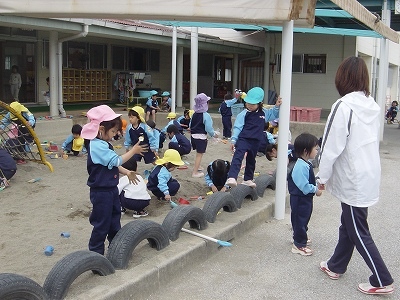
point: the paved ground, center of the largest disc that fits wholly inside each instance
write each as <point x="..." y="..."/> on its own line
<point x="261" y="266"/>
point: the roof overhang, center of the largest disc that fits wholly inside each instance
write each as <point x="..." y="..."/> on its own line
<point x="266" y="12"/>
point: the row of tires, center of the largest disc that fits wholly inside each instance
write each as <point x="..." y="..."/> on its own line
<point x="65" y="271"/>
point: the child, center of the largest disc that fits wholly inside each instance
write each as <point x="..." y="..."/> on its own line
<point x="271" y="151"/>
<point x="184" y="120"/>
<point x="15" y="82"/>
<point x="138" y="131"/>
<point x="200" y="124"/>
<point x="217" y="174"/>
<point x="267" y="139"/>
<point x="179" y="142"/>
<point x="158" y="135"/>
<point x="20" y="142"/>
<point x="392" y="112"/>
<point x="302" y="187"/>
<point x="247" y="132"/>
<point x="103" y="166"/>
<point x="166" y="100"/>
<point x="74" y="142"/>
<point x="152" y="105"/>
<point x="171" y="117"/>
<point x="160" y="181"/>
<point x="133" y="196"/>
<point x="8" y="167"/>
<point x="226" y="113"/>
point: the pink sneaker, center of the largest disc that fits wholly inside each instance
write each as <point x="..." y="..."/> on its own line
<point x="305" y="251"/>
<point x="231" y="182"/>
<point x="368" y="289"/>
<point x="324" y="268"/>
<point x="249" y="183"/>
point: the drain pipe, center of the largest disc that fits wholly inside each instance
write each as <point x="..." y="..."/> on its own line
<point x="59" y="52"/>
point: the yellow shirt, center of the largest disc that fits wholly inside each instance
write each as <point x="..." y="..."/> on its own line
<point x="77" y="144"/>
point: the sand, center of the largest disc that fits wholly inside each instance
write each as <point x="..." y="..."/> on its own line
<point x="35" y="214"/>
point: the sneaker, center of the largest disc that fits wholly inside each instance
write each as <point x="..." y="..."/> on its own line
<point x="249" y="183"/>
<point x="123" y="210"/>
<point x="21" y="162"/>
<point x="324" y="268"/>
<point x="139" y="214"/>
<point x="305" y="251"/>
<point x="198" y="174"/>
<point x="368" y="289"/>
<point x="231" y="182"/>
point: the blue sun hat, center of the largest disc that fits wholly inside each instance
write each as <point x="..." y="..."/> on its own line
<point x="255" y="95"/>
<point x="165" y="94"/>
<point x="153" y="92"/>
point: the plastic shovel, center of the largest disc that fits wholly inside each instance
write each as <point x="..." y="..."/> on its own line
<point x="219" y="242"/>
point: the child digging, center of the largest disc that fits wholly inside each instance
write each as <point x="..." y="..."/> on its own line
<point x="160" y="181"/>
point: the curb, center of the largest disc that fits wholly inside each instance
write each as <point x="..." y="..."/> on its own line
<point x="154" y="273"/>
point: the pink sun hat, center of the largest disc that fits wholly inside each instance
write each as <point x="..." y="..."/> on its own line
<point x="96" y="115"/>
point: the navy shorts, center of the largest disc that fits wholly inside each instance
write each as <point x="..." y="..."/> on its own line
<point x="148" y="157"/>
<point x="199" y="145"/>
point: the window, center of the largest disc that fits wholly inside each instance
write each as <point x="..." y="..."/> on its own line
<point x="305" y="63"/>
<point x="98" y="56"/>
<point x="118" y="58"/>
<point x="315" y="63"/>
<point x="154" y="64"/>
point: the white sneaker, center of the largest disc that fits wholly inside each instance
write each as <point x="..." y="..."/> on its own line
<point x="368" y="289"/>
<point x="231" y="182"/>
<point x="249" y="183"/>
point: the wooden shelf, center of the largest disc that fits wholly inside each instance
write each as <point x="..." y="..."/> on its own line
<point x="86" y="85"/>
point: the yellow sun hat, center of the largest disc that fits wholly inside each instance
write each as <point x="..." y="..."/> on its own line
<point x="18" y="107"/>
<point x="171" y="115"/>
<point x="191" y="112"/>
<point x="140" y="112"/>
<point x="170" y="156"/>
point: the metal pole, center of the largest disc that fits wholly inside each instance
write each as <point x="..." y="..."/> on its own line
<point x="194" y="59"/>
<point x="179" y="77"/>
<point x="383" y="70"/>
<point x="284" y="119"/>
<point x="173" y="72"/>
<point x="53" y="67"/>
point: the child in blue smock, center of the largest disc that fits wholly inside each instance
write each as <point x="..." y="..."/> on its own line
<point x="74" y="142"/>
<point x="19" y="142"/>
<point x="172" y="121"/>
<point x="160" y="181"/>
<point x="200" y="125"/>
<point x="158" y="135"/>
<point x="217" y="174"/>
<point x="139" y="131"/>
<point x="184" y="120"/>
<point x="226" y="112"/>
<point x="166" y="101"/>
<point x="104" y="166"/>
<point x="247" y="132"/>
<point x="152" y="105"/>
<point x="302" y="187"/>
<point x="179" y="142"/>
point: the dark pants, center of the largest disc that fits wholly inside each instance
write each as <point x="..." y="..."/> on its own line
<point x="179" y="148"/>
<point x="68" y="148"/>
<point x="242" y="146"/>
<point x="354" y="231"/>
<point x="173" y="188"/>
<point x="301" y="207"/>
<point x="133" y="204"/>
<point x="227" y="126"/>
<point x="8" y="173"/>
<point x="105" y="217"/>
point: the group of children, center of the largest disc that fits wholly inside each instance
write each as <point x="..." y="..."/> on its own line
<point x="111" y="195"/>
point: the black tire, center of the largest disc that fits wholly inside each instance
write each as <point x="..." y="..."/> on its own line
<point x="241" y="191"/>
<point x="66" y="270"/>
<point x="178" y="216"/>
<point x="14" y="286"/>
<point x="217" y="201"/>
<point x="130" y="235"/>
<point x="263" y="182"/>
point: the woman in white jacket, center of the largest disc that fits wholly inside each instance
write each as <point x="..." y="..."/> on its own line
<point x="350" y="169"/>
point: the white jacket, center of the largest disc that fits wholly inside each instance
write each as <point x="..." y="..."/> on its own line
<point x="133" y="191"/>
<point x="349" y="162"/>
